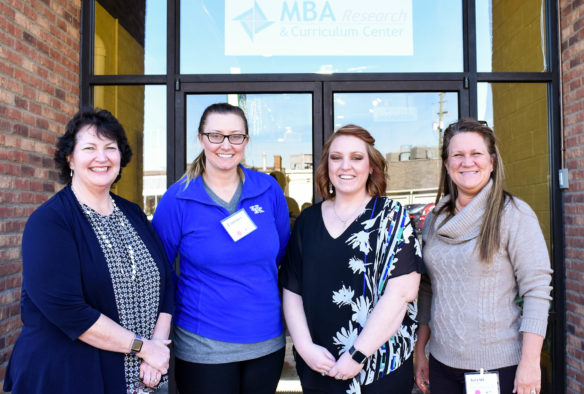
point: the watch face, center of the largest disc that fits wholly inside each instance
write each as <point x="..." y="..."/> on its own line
<point x="137" y="345"/>
<point x="357" y="355"/>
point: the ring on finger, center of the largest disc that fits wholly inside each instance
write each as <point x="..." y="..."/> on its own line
<point x="534" y="391"/>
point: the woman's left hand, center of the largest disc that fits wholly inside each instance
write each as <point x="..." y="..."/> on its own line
<point x="527" y="377"/>
<point x="345" y="368"/>
<point x="149" y="375"/>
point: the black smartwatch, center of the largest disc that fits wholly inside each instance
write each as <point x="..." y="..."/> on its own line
<point x="136" y="345"/>
<point x="357" y="355"/>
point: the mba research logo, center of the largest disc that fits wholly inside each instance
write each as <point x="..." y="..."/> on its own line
<point x="318" y="28"/>
<point x="253" y="20"/>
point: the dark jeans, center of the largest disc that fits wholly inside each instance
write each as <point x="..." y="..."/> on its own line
<point x="256" y="376"/>
<point x="447" y="380"/>
<point x="400" y="381"/>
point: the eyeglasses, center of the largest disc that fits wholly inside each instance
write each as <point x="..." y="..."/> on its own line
<point x="218" y="138"/>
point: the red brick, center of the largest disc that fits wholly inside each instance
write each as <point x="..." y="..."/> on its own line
<point x="14" y="282"/>
<point x="10" y="268"/>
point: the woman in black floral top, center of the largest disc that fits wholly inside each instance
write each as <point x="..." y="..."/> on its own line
<point x="352" y="276"/>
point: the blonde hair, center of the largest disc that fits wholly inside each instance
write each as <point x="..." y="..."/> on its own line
<point x="197" y="167"/>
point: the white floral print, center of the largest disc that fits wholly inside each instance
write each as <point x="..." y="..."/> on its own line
<point x="345" y="338"/>
<point x="360" y="239"/>
<point x="357" y="265"/>
<point x="361" y="308"/>
<point x="343" y="296"/>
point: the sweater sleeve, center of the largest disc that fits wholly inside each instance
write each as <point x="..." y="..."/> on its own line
<point x="51" y="273"/>
<point x="425" y="292"/>
<point x="530" y="259"/>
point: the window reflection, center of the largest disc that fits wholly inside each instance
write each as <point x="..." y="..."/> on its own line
<point x="342" y="36"/>
<point x="130" y="37"/>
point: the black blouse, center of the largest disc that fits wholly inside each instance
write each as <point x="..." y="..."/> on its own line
<point x="341" y="279"/>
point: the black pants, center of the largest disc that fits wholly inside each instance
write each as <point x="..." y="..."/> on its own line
<point x="256" y="376"/>
<point x="400" y="381"/>
<point x="447" y="380"/>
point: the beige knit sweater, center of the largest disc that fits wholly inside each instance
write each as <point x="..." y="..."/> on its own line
<point x="470" y="305"/>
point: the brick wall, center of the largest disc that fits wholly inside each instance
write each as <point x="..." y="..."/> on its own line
<point x="39" y="91"/>
<point x="572" y="41"/>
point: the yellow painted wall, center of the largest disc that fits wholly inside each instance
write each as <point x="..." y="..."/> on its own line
<point x="517" y="31"/>
<point x="116" y="52"/>
<point x="521" y="125"/>
<point x="125" y="55"/>
<point x="520" y="110"/>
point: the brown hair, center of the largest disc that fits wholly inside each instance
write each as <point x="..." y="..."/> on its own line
<point x="197" y="167"/>
<point x="376" y="182"/>
<point x="105" y="124"/>
<point x="489" y="236"/>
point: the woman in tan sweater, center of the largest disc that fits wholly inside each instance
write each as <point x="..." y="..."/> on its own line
<point x="482" y="249"/>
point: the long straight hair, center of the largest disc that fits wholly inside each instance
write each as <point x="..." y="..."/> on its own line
<point x="490" y="235"/>
<point x="197" y="167"/>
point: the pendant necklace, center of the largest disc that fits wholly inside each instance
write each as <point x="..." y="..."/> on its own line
<point x="352" y="215"/>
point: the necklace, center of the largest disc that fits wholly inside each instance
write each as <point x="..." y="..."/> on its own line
<point x="352" y="215"/>
<point x="84" y="204"/>
<point x="100" y="223"/>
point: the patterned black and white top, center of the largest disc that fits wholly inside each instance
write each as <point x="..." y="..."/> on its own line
<point x="136" y="282"/>
<point x="342" y="279"/>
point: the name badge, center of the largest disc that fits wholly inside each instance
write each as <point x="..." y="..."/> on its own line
<point x="482" y="382"/>
<point x="238" y="225"/>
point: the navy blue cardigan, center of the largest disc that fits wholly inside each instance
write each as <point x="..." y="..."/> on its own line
<point x="66" y="286"/>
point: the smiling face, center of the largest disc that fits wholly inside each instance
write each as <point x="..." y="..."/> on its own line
<point x="469" y="163"/>
<point x="224" y="156"/>
<point x="95" y="160"/>
<point x="348" y="164"/>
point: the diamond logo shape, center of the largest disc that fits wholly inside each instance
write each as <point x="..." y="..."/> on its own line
<point x="253" y="20"/>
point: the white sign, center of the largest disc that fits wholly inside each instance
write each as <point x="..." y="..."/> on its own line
<point x="319" y="27"/>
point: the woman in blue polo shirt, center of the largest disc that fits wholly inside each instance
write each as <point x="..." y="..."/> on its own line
<point x="230" y="227"/>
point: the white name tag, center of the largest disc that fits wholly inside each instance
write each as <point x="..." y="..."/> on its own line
<point x="238" y="225"/>
<point x="482" y="382"/>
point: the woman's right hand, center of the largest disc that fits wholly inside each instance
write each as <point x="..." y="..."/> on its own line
<point x="156" y="353"/>
<point x="318" y="358"/>
<point x="421" y="369"/>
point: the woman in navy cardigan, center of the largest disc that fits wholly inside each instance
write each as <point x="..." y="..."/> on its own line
<point x="97" y="292"/>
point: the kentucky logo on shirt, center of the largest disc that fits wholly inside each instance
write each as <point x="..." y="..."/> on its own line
<point x="256" y="209"/>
